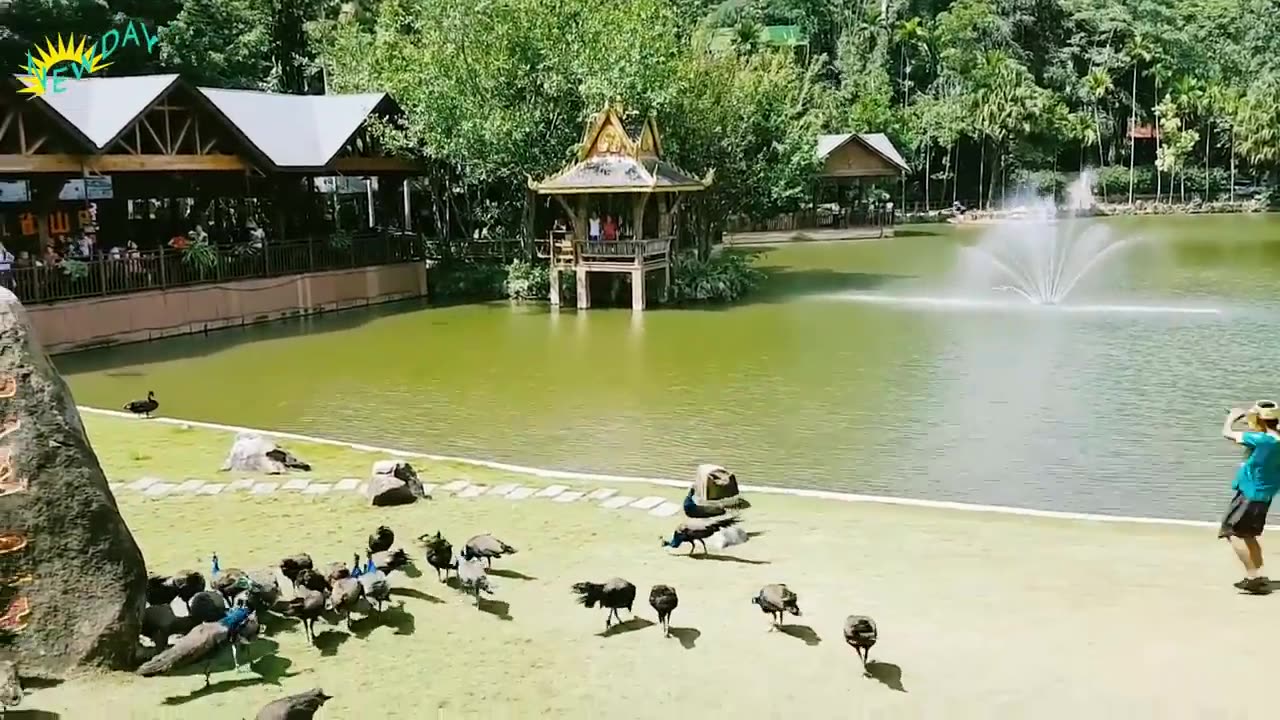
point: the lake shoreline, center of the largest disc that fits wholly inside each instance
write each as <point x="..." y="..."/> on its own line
<point x="550" y="474"/>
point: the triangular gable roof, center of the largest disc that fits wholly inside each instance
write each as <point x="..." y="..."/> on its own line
<point x="878" y="143"/>
<point x="297" y="131"/>
<point x="606" y="135"/>
<point x="12" y="83"/>
<point x="650" y="141"/>
<point x="103" y="108"/>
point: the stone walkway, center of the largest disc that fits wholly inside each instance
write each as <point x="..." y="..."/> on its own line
<point x="606" y="498"/>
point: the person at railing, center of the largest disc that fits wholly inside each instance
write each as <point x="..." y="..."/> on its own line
<point x="610" y="228"/>
<point x="593" y="228"/>
<point x="6" y="267"/>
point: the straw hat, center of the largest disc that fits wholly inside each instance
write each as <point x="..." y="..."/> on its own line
<point x="1265" y="410"/>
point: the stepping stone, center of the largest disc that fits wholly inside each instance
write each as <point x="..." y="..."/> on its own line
<point x="211" y="489"/>
<point x="317" y="489"/>
<point x="666" y="509"/>
<point x="159" y="488"/>
<point x="568" y="497"/>
<point x="647" y="503"/>
<point x="617" y="502"/>
<point x="521" y="493"/>
<point x="503" y="489"/>
<point x="265" y="488"/>
<point x="189" y="487"/>
<point x="347" y="484"/>
<point x="473" y="491"/>
<point x="602" y="494"/>
<point x="297" y="484"/>
<point x="455" y="486"/>
<point x="144" y="483"/>
<point x="552" y="491"/>
<point x="244" y="484"/>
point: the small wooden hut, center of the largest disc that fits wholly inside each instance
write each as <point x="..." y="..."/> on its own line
<point x="617" y="175"/>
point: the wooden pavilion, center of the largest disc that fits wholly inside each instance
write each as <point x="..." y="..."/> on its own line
<point x="847" y="162"/>
<point x="147" y="137"/>
<point x="628" y="177"/>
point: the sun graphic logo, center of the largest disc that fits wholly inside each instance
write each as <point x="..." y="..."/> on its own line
<point x="42" y="75"/>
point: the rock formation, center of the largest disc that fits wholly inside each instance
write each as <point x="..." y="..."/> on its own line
<point x="253" y="453"/>
<point x="72" y="580"/>
<point x="393" y="482"/>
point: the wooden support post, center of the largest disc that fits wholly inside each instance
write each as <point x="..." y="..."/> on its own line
<point x="408" y="210"/>
<point x="584" y="288"/>
<point x="637" y="289"/>
<point x="555" y="279"/>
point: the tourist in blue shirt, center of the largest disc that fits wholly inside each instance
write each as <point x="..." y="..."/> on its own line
<point x="1257" y="481"/>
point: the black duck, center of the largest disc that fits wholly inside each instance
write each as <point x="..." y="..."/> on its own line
<point x="694" y="531"/>
<point x="663" y="599"/>
<point x="488" y="547"/>
<point x="381" y="540"/>
<point x="775" y="600"/>
<point x="143" y="407"/>
<point x="440" y="555"/>
<point x="860" y="632"/>
<point x="613" y="594"/>
<point x="302" y="706"/>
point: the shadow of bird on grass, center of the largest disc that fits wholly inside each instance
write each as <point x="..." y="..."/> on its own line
<point x="635" y="623"/>
<point x="887" y="674"/>
<point x="329" y="641"/>
<point x="727" y="558"/>
<point x="511" y="574"/>
<point x="688" y="637"/>
<point x="497" y="608"/>
<point x="395" y="617"/>
<point x="416" y="594"/>
<point x="270" y="670"/>
<point x="801" y="632"/>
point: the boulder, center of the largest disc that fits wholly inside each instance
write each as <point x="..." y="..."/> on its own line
<point x="717" y="487"/>
<point x="256" y="454"/>
<point x="393" y="482"/>
<point x="72" y="580"/>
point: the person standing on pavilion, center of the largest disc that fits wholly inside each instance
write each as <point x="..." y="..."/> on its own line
<point x="593" y="228"/>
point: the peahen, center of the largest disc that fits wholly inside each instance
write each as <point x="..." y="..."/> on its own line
<point x="775" y="600"/>
<point x="160" y="622"/>
<point x="311" y="580"/>
<point x="860" y="632"/>
<point x="207" y="606"/>
<point x="381" y="540"/>
<point x="613" y="594"/>
<point x="186" y="583"/>
<point x="663" y="599"/>
<point x="473" y="578"/>
<point x="302" y="706"/>
<point x="307" y="605"/>
<point x="143" y="407"/>
<point x="374" y="585"/>
<point x="344" y="595"/>
<point x="488" y="547"/>
<point x="694" y="510"/>
<point x="694" y="531"/>
<point x="388" y="561"/>
<point x="202" y="643"/>
<point x="440" y="555"/>
<point x="291" y="566"/>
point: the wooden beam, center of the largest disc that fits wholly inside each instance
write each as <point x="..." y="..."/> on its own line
<point x="8" y="118"/>
<point x="182" y="134"/>
<point x="22" y="135"/>
<point x="355" y="165"/>
<point x="36" y="145"/>
<point x="205" y="150"/>
<point x="168" y="134"/>
<point x="197" y="133"/>
<point x="63" y="163"/>
<point x="154" y="136"/>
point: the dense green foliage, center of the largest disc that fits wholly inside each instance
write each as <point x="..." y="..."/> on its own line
<point x="980" y="94"/>
<point x="723" y="277"/>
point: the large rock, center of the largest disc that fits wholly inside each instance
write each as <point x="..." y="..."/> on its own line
<point x="393" y="482"/>
<point x="253" y="453"/>
<point x="717" y="487"/>
<point x="72" y="579"/>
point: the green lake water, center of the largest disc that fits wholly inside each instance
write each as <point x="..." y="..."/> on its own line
<point x="851" y="371"/>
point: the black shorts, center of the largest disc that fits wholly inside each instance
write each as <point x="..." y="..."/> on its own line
<point x="1245" y="518"/>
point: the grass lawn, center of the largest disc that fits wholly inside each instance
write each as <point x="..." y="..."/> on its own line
<point x="980" y="615"/>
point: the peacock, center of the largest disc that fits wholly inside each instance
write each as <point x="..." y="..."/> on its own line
<point x="302" y="706"/>
<point x="388" y="561"/>
<point x="775" y="600"/>
<point x="694" y="510"/>
<point x="488" y="547"/>
<point x="473" y="577"/>
<point x="143" y="407"/>
<point x="374" y="585"/>
<point x="613" y="594"/>
<point x="160" y="622"/>
<point x="440" y="555"/>
<point x="381" y="540"/>
<point x="860" y="632"/>
<point x="694" y="531"/>
<point x="202" y="643"/>
<point x="663" y="599"/>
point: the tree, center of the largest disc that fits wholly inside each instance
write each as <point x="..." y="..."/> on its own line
<point x="218" y="43"/>
<point x="1140" y="51"/>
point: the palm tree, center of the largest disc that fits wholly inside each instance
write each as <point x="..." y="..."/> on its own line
<point x="1097" y="84"/>
<point x="1140" y="51"/>
<point x="1159" y="71"/>
<point x="1188" y="96"/>
<point x="910" y="35"/>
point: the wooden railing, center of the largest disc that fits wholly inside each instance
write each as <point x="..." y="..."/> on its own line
<point x="165" y="268"/>
<point x="820" y="219"/>
<point x="633" y="250"/>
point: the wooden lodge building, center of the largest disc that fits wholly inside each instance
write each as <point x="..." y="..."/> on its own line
<point x="624" y="180"/>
